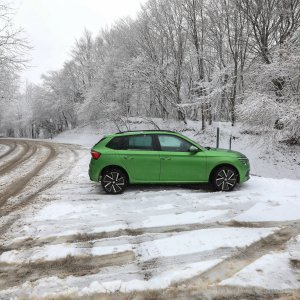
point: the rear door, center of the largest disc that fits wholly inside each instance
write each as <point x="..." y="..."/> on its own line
<point x="178" y="164"/>
<point x="141" y="159"/>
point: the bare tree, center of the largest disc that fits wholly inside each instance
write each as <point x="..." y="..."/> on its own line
<point x="272" y="22"/>
<point x="13" y="45"/>
<point x="13" y="57"/>
<point x="237" y="27"/>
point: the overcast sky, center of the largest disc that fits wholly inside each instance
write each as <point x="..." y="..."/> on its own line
<point x="53" y="25"/>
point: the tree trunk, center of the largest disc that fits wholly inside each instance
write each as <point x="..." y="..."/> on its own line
<point x="202" y="117"/>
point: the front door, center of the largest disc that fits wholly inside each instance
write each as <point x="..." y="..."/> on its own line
<point x="178" y="164"/>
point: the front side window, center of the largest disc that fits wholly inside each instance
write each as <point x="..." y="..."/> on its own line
<point x="140" y="142"/>
<point x="173" y="143"/>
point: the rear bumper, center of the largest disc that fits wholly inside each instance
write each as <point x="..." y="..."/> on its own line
<point x="93" y="171"/>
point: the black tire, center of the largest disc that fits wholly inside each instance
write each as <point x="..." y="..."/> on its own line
<point x="114" y="181"/>
<point x="225" y="179"/>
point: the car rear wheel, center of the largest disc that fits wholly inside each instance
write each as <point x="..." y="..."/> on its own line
<point x="114" y="181"/>
<point x="225" y="178"/>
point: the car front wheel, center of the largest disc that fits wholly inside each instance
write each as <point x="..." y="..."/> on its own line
<point x="225" y="178"/>
<point x="114" y="181"/>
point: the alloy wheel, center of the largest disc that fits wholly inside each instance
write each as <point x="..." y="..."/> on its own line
<point x="114" y="182"/>
<point x="226" y="179"/>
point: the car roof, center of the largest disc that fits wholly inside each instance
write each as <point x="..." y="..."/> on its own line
<point x="134" y="132"/>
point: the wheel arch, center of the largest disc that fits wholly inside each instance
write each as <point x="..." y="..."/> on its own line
<point x="223" y="165"/>
<point x="114" y="167"/>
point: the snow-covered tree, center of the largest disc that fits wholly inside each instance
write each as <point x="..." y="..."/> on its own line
<point x="230" y="60"/>
<point x="266" y="109"/>
<point x="13" y="58"/>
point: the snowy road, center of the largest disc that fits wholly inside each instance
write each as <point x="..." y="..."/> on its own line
<point x="62" y="236"/>
<point x="28" y="168"/>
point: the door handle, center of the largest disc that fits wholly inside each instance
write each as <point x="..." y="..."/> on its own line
<point x="165" y="158"/>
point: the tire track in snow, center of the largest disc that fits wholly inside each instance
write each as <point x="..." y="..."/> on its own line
<point x="135" y="235"/>
<point x="12" y="147"/>
<point x="13" y="212"/>
<point x="60" y="267"/>
<point x="230" y="266"/>
<point x="16" y="187"/>
<point x="27" y="200"/>
<point x="210" y="293"/>
<point x="22" y="155"/>
<point x="16" y="274"/>
<point x="28" y="152"/>
<point x="205" y="285"/>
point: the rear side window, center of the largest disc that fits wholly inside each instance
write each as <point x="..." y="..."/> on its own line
<point x="134" y="142"/>
<point x="140" y="142"/>
<point x="118" y="143"/>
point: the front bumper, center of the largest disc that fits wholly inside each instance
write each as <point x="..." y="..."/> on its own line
<point x="244" y="174"/>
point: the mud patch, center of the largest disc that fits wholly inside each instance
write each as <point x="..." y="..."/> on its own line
<point x="211" y="293"/>
<point x="295" y="263"/>
<point x="14" y="274"/>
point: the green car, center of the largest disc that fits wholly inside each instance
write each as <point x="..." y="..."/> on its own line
<point x="163" y="157"/>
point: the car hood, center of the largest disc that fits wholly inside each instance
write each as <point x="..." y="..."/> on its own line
<point x="224" y="152"/>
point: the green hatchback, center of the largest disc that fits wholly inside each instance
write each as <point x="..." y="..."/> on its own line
<point x="163" y="157"/>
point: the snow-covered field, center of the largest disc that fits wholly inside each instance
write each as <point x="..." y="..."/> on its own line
<point x="76" y="241"/>
<point x="267" y="158"/>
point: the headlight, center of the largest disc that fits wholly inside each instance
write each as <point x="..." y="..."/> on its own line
<point x="244" y="160"/>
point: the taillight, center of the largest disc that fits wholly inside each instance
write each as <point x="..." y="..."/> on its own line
<point x="95" y="154"/>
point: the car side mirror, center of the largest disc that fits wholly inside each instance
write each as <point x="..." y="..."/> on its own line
<point x="193" y="149"/>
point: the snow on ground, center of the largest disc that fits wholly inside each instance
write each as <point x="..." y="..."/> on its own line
<point x="85" y="136"/>
<point x="3" y="148"/>
<point x="272" y="271"/>
<point x="79" y="206"/>
<point x="74" y="286"/>
<point x="60" y="251"/>
<point x="294" y="249"/>
<point x="272" y="211"/>
<point x="24" y="167"/>
<point x="201" y="240"/>
<point x="267" y="158"/>
<point x="178" y="245"/>
<point x="280" y="201"/>
<point x="183" y="218"/>
<point x="173" y="233"/>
